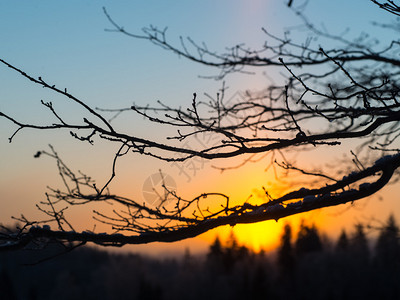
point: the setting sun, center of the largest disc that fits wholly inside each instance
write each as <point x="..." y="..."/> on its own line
<point x="257" y="237"/>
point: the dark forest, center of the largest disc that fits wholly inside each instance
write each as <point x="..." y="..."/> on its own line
<point x="306" y="265"/>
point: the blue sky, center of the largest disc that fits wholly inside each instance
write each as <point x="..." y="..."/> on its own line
<point x="65" y="43"/>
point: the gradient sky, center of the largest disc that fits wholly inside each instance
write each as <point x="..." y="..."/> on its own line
<point x="65" y="43"/>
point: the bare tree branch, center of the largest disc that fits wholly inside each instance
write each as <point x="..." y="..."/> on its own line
<point x="354" y="96"/>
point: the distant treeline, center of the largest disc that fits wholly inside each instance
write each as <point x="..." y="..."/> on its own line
<point x="307" y="266"/>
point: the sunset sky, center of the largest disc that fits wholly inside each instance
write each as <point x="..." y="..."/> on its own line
<point x="65" y="43"/>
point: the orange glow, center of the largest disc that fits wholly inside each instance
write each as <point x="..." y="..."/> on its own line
<point x="257" y="237"/>
<point x="239" y="185"/>
<point x="264" y="235"/>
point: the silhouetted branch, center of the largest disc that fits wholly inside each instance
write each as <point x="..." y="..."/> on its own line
<point x="354" y="96"/>
<point x="389" y="6"/>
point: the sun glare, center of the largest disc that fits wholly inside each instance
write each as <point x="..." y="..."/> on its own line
<point x="259" y="236"/>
